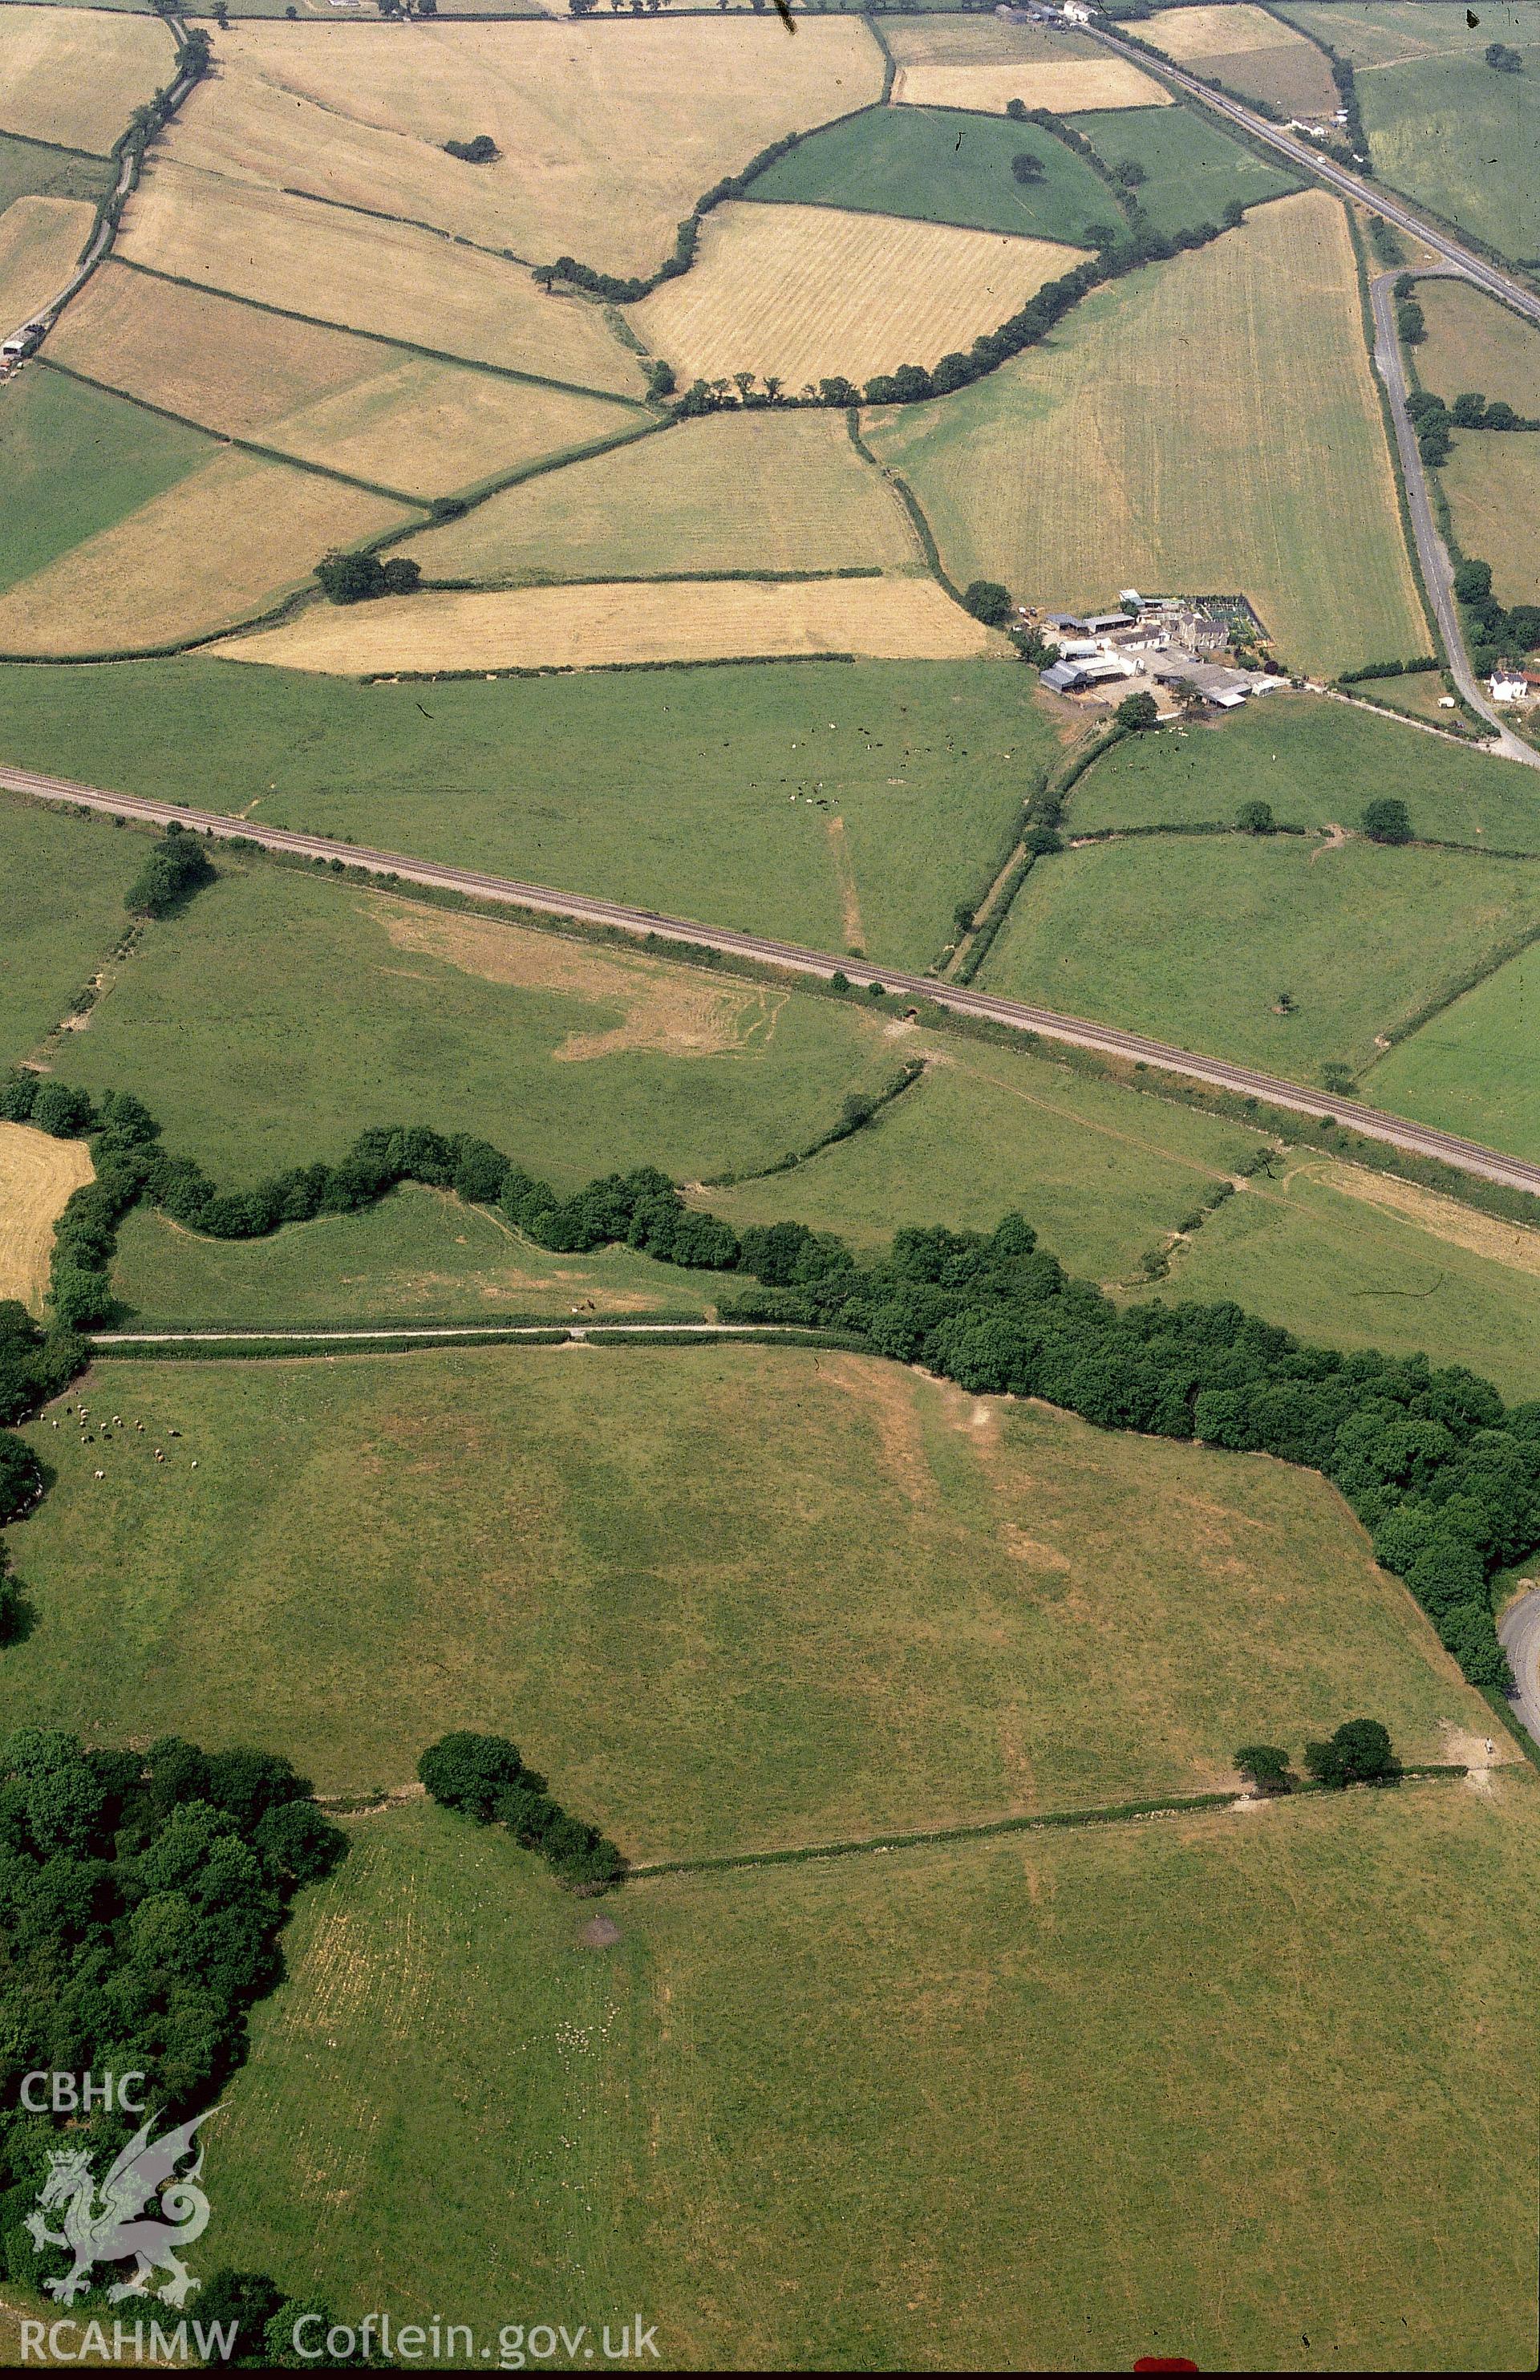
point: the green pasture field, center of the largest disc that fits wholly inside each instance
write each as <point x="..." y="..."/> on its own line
<point x="1191" y="168"/>
<point x="1101" y="1173"/>
<point x="1443" y="127"/>
<point x="75" y="460"/>
<point x="1492" y="480"/>
<point x="1474" y="342"/>
<point x="1414" y="694"/>
<point x="729" y="1597"/>
<point x="666" y="787"/>
<point x="574" y="1060"/>
<point x="61" y="911"/>
<point x="1076" y="2096"/>
<point x="1194" y="941"/>
<point x="1471" y="1070"/>
<point x="1317" y="762"/>
<point x="33" y="169"/>
<point x="1438" y="1280"/>
<point x="421" y="1255"/>
<point x="941" y="165"/>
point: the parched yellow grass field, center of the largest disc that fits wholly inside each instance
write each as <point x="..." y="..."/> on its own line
<point x="805" y="291"/>
<point x="40" y="239"/>
<point x="1249" y="51"/>
<point x="769" y="490"/>
<point x="389" y="278"/>
<point x="37" y="1174"/>
<point x="599" y="628"/>
<point x="236" y="534"/>
<point x="608" y="133"/>
<point x="1474" y="342"/>
<point x="978" y="62"/>
<point x="75" y="76"/>
<point x="1493" y="485"/>
<point x="398" y="420"/>
<point x="1185" y="429"/>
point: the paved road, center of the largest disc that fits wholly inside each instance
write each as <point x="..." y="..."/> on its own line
<point x="1399" y="1132"/>
<point x="1308" y="154"/>
<point x="1519" y="1634"/>
<point x="1437" y="571"/>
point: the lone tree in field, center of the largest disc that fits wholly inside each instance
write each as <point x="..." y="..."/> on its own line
<point x="1026" y="167"/>
<point x="1016" y="110"/>
<point x="1265" y="1766"/>
<point x="1256" y="818"/>
<point x="1502" y="60"/>
<point x="482" y="150"/>
<point x="1137" y="711"/>
<point x="1472" y="582"/>
<point x="1387" y="820"/>
<point x="989" y="602"/>
<point x="1359" y="1754"/>
<point x="358" y="577"/>
<point x="176" y="868"/>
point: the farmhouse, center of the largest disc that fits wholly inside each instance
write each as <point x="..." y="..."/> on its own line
<point x="1509" y="685"/>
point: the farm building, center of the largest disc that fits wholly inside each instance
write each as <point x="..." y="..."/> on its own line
<point x="1509" y="685"/>
<point x="1226" y="688"/>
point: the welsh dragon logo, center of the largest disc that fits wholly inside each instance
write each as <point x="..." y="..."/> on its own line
<point x="103" y="2233"/>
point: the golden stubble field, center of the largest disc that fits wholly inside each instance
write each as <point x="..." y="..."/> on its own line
<point x="802" y="292"/>
<point x="1251" y="51"/>
<point x="980" y="63"/>
<point x="600" y="628"/>
<point x="1474" y="342"/>
<point x="1187" y="427"/>
<point x="392" y="279"/>
<point x="37" y="1174"/>
<point x="608" y="133"/>
<point x="40" y="240"/>
<point x="232" y="537"/>
<point x="769" y="490"/>
<point x="379" y="413"/>
<point x="75" y="76"/>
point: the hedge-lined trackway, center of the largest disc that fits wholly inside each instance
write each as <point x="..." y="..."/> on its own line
<point x="1423" y="1140"/>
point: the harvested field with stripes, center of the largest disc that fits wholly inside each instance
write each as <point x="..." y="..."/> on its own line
<point x="1493" y="486"/>
<point x="40" y="240"/>
<point x="37" y="1174"/>
<point x="378" y="413"/>
<point x="75" y="76"/>
<point x="980" y="63"/>
<point x="608" y="133"/>
<point x="1075" y="469"/>
<point x="1250" y="51"/>
<point x="390" y="279"/>
<point x="602" y="628"/>
<point x="223" y="543"/>
<point x="802" y="292"/>
<point x="770" y="490"/>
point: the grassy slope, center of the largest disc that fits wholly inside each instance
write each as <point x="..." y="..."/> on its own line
<point x="252" y="1067"/>
<point x="1101" y="1173"/>
<point x="1191" y="168"/>
<point x="420" y="1255"/>
<point x="1316" y="762"/>
<point x="941" y="165"/>
<point x="1131" y="449"/>
<point x="75" y="461"/>
<point x="669" y="789"/>
<point x="61" y="910"/>
<point x="30" y="168"/>
<point x="1493" y="485"/>
<point x="1442" y="126"/>
<point x="1195" y="942"/>
<point x="771" y="490"/>
<point x="728" y="1596"/>
<point x="1305" y="1251"/>
<point x="1471" y="1070"/>
<point x="1109" y="2092"/>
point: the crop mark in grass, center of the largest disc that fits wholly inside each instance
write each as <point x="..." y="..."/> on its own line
<point x="1443" y="1219"/>
<point x="849" y="899"/>
<point x="676" y="1010"/>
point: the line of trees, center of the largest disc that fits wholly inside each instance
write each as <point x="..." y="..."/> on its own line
<point x="1358" y="1753"/>
<point x="1495" y="632"/>
<point x="625" y="290"/>
<point x="485" y="1778"/>
<point x="177" y="866"/>
<point x="362" y="578"/>
<point x="1445" y="1477"/>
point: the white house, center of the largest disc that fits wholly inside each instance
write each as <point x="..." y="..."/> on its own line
<point x="1508" y="685"/>
<point x="1075" y="12"/>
